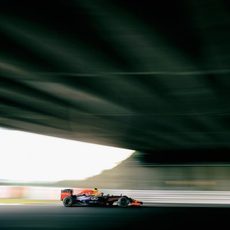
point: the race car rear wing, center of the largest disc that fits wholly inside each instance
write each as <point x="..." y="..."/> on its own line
<point x="65" y="193"/>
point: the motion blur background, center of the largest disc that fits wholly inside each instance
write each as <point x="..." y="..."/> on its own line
<point x="150" y="80"/>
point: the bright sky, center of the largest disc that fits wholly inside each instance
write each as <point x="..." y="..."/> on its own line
<point x="27" y="157"/>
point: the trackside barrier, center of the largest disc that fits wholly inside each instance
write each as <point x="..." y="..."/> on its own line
<point x="147" y="196"/>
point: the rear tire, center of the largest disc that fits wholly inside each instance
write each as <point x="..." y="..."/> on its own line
<point x="123" y="202"/>
<point x="68" y="201"/>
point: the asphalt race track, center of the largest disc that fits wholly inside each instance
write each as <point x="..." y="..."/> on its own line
<point x="58" y="217"/>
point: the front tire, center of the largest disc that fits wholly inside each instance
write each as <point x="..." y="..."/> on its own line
<point x="123" y="202"/>
<point x="68" y="201"/>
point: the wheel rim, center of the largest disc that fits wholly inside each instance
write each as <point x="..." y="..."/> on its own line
<point x="123" y="202"/>
<point x="67" y="202"/>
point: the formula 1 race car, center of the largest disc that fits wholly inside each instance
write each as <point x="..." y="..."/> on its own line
<point x="69" y="200"/>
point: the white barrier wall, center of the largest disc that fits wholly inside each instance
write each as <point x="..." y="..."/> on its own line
<point x="147" y="196"/>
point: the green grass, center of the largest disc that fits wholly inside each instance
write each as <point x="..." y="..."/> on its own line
<point x="28" y="201"/>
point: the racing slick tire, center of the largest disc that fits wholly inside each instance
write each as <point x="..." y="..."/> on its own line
<point x="123" y="202"/>
<point x="68" y="201"/>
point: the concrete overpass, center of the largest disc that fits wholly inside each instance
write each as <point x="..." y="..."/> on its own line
<point x="149" y="77"/>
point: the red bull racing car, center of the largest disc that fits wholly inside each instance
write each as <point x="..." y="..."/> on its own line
<point x="69" y="199"/>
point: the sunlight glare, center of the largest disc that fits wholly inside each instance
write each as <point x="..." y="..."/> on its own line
<point x="29" y="157"/>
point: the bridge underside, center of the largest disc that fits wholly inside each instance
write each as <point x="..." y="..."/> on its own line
<point x="120" y="73"/>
